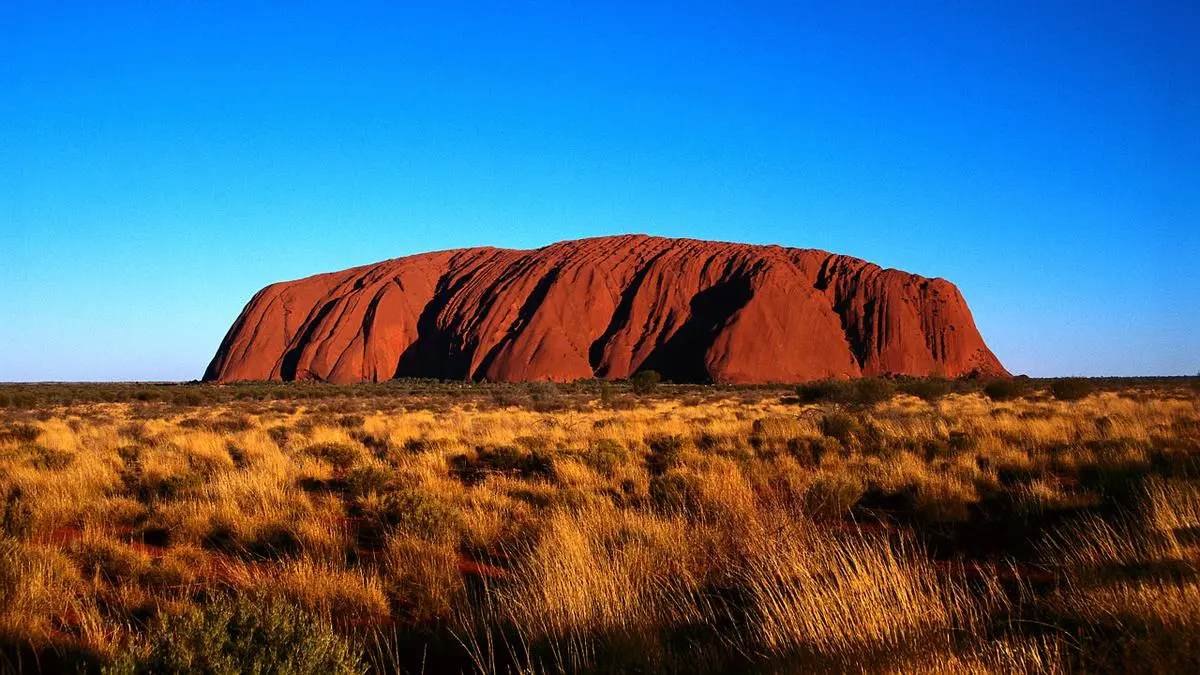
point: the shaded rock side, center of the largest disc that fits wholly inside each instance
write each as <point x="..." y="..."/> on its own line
<point x="694" y="311"/>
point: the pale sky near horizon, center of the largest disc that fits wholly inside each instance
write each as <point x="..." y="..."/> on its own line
<point x="161" y="162"/>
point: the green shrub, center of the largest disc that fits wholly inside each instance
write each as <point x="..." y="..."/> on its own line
<point x="151" y="488"/>
<point x="503" y="459"/>
<point x="606" y="455"/>
<point x="809" y="452"/>
<point x="190" y="399"/>
<point x="666" y="452"/>
<point x="16" y="516"/>
<point x="863" y="391"/>
<point x="377" y="443"/>
<point x="340" y="455"/>
<point x="49" y="459"/>
<point x="368" y="478"/>
<point x="831" y="495"/>
<point x="645" y="382"/>
<point x="230" y="636"/>
<point x="420" y="513"/>
<point x="675" y="492"/>
<point x="502" y="398"/>
<point x="545" y="397"/>
<point x="1071" y="388"/>
<point x="1004" y="389"/>
<point x="822" y="390"/>
<point x="927" y="389"/>
<point x="841" y="426"/>
<point x="872" y="390"/>
<point x="24" y="433"/>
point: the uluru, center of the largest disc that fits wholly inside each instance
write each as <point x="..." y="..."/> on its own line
<point x="608" y="307"/>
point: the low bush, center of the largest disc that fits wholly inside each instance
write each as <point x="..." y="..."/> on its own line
<point x="340" y="455"/>
<point x="666" y="452"/>
<point x="150" y="488"/>
<point x="49" y="459"/>
<point x="675" y="492"/>
<point x="502" y="459"/>
<point x="16" y="515"/>
<point x="545" y="397"/>
<point x="831" y="495"/>
<point x="822" y="390"/>
<point x="242" y="636"/>
<point x="841" y="426"/>
<point x="378" y="444"/>
<point x="606" y="456"/>
<point x="809" y="452"/>
<point x="927" y="389"/>
<point x="1071" y="388"/>
<point x="872" y="390"/>
<point x="645" y="382"/>
<point x="863" y="391"/>
<point x="420" y="513"/>
<point x="24" y="433"/>
<point x="189" y="399"/>
<point x="368" y="478"/>
<point x="1003" y="389"/>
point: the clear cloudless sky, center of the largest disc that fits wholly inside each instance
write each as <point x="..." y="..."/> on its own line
<point x="162" y="161"/>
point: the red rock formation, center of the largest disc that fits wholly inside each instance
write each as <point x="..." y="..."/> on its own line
<point x="607" y="307"/>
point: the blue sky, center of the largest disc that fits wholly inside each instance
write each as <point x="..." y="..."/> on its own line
<point x="160" y="162"/>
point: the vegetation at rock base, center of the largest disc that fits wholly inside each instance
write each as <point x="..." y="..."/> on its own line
<point x="876" y="525"/>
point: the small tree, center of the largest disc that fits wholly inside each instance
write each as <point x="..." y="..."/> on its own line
<point x="645" y="382"/>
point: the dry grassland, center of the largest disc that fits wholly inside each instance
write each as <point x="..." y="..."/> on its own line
<point x="698" y="531"/>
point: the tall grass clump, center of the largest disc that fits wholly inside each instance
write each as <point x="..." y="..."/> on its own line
<point x="600" y="589"/>
<point x="846" y="598"/>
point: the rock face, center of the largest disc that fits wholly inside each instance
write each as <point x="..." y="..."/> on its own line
<point x="694" y="311"/>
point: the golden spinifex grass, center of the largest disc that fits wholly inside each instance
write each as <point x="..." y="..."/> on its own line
<point x="705" y="531"/>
